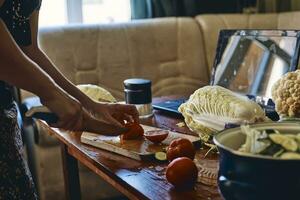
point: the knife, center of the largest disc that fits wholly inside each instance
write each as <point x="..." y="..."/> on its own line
<point x="91" y="124"/>
<point x="43" y="113"/>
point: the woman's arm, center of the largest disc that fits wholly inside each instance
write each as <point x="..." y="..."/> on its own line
<point x="110" y="113"/>
<point x="17" y="69"/>
<point x="37" y="55"/>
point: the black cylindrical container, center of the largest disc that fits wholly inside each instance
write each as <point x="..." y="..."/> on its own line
<point x="138" y="92"/>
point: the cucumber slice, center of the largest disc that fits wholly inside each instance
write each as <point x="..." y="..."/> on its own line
<point x="161" y="156"/>
<point x="286" y="142"/>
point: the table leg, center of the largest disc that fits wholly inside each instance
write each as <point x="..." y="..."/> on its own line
<point x="71" y="175"/>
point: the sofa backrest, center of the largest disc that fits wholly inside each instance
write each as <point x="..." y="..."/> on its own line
<point x="210" y="26"/>
<point x="175" y="53"/>
<point x="168" y="51"/>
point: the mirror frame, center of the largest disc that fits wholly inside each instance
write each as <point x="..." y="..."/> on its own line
<point x="225" y="35"/>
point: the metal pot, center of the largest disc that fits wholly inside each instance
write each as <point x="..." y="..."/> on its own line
<point x="254" y="177"/>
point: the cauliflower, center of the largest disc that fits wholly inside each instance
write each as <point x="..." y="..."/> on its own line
<point x="286" y="94"/>
<point x="96" y="93"/>
<point x="211" y="107"/>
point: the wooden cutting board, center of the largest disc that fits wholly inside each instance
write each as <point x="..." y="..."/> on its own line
<point x="141" y="149"/>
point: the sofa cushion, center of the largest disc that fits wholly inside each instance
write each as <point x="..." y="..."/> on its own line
<point x="289" y="20"/>
<point x="169" y="51"/>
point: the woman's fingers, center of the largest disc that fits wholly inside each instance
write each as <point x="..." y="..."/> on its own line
<point x="127" y="112"/>
<point x="111" y="120"/>
<point x="128" y="118"/>
<point x="91" y="124"/>
<point x="133" y="112"/>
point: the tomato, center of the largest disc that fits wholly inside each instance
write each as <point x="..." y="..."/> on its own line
<point x="182" y="173"/>
<point x="181" y="148"/>
<point x="156" y="136"/>
<point x="135" y="132"/>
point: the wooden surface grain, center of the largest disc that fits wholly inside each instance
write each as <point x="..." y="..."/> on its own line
<point x="138" y="149"/>
<point x="136" y="179"/>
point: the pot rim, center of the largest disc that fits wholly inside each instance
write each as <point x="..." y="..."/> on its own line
<point x="249" y="155"/>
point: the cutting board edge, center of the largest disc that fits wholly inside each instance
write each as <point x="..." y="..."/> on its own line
<point x="89" y="138"/>
<point x="104" y="146"/>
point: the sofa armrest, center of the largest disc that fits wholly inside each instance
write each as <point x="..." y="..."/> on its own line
<point x="26" y="105"/>
<point x="39" y="132"/>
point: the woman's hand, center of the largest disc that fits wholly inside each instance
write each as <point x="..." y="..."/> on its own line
<point x="114" y="114"/>
<point x="72" y="116"/>
<point x="68" y="110"/>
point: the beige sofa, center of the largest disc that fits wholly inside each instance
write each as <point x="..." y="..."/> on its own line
<point x="175" y="53"/>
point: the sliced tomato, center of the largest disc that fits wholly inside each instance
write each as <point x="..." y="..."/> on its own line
<point x="156" y="136"/>
<point x="135" y="131"/>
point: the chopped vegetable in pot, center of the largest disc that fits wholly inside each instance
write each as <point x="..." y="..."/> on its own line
<point x="271" y="143"/>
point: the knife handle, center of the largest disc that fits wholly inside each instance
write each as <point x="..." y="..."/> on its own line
<point x="43" y="113"/>
<point x="50" y="118"/>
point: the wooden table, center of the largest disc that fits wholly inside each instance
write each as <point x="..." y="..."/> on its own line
<point x="135" y="179"/>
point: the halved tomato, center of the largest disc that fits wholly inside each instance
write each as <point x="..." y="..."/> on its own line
<point x="156" y="136"/>
<point x="135" y="131"/>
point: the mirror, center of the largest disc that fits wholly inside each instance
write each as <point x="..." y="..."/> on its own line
<point x="251" y="61"/>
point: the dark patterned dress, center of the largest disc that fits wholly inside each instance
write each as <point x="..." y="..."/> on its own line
<point x="15" y="179"/>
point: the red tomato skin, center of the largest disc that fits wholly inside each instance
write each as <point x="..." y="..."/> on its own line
<point x="135" y="131"/>
<point x="181" y="148"/>
<point x="182" y="173"/>
<point x="156" y="136"/>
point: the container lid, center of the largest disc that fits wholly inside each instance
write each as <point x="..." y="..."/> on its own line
<point x="137" y="84"/>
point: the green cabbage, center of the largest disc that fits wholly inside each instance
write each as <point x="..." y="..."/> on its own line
<point x="96" y="93"/>
<point x="211" y="107"/>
